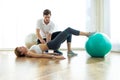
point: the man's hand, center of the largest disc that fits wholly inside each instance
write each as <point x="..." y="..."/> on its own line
<point x="42" y="41"/>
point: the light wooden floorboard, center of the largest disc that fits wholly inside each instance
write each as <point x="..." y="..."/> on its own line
<point x="81" y="67"/>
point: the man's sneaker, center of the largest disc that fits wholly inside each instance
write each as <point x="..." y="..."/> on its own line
<point x="57" y="51"/>
<point x="71" y="53"/>
<point x="90" y="33"/>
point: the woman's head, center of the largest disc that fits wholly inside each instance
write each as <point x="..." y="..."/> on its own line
<point x="20" y="51"/>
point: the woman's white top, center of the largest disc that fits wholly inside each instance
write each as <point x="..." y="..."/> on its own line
<point x="36" y="48"/>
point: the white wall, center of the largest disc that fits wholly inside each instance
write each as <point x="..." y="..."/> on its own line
<point x="18" y="18"/>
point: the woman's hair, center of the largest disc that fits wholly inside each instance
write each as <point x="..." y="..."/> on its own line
<point x="18" y="53"/>
<point x="46" y="12"/>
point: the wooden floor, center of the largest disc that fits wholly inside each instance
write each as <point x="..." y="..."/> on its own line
<point x="81" y="67"/>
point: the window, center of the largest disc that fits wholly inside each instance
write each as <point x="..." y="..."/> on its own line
<point x="115" y="24"/>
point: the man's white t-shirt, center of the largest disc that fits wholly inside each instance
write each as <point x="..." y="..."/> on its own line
<point x="45" y="29"/>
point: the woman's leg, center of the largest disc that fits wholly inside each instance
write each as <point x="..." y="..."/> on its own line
<point x="55" y="34"/>
<point x="69" y="39"/>
<point x="52" y="37"/>
<point x="55" y="43"/>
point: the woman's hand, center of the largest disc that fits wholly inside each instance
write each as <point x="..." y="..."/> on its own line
<point x="59" y="57"/>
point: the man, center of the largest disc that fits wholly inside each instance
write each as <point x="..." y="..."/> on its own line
<point x="45" y="28"/>
<point x="44" y="31"/>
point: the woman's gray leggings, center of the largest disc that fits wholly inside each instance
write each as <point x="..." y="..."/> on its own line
<point x="61" y="37"/>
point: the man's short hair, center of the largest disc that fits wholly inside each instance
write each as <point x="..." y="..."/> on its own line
<point x="46" y="12"/>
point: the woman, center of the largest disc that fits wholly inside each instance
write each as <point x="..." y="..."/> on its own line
<point x="37" y="50"/>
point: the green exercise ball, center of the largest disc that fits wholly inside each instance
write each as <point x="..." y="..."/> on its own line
<point x="98" y="45"/>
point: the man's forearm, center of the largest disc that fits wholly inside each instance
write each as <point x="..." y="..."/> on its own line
<point x="48" y="37"/>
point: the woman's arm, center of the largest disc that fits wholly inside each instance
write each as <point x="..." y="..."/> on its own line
<point x="34" y="55"/>
<point x="53" y="54"/>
